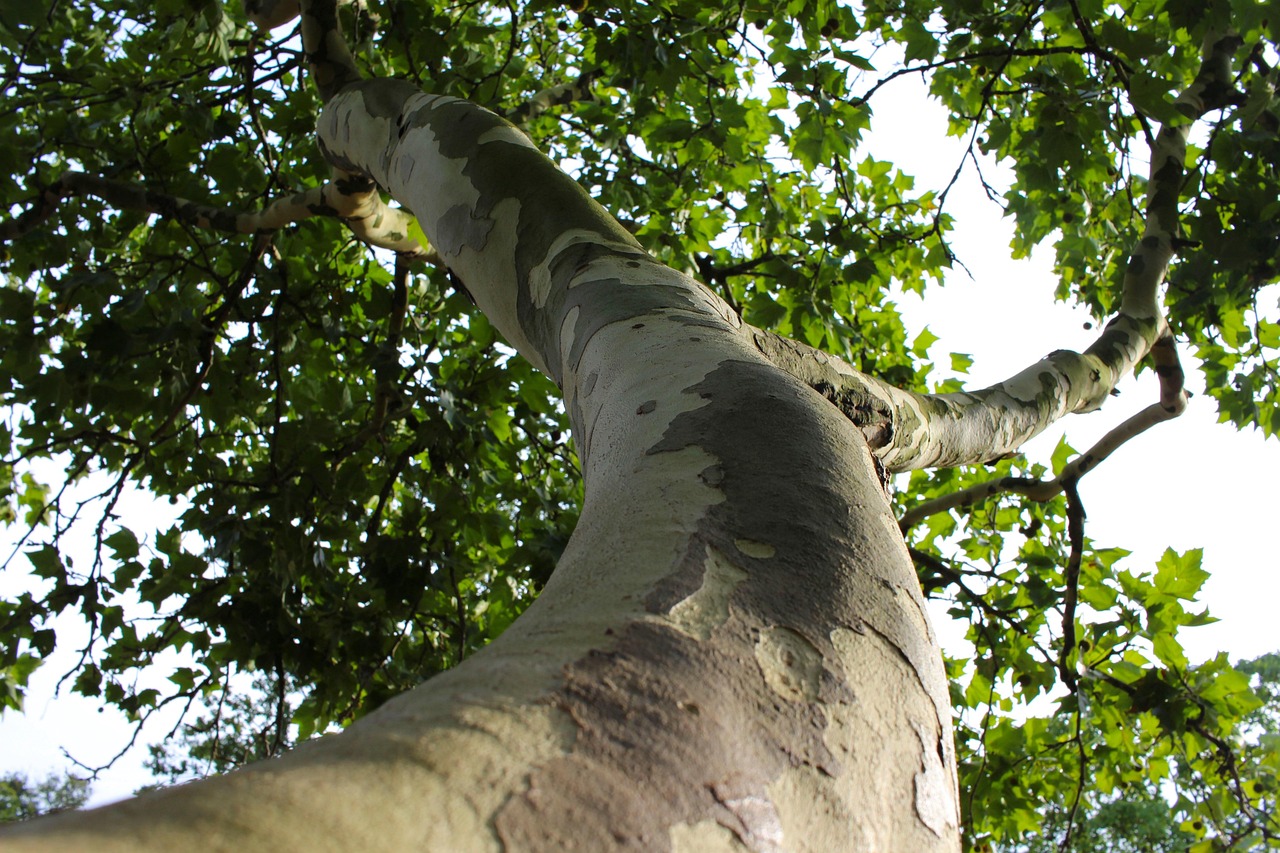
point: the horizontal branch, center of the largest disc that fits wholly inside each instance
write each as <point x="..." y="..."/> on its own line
<point x="353" y="199"/>
<point x="907" y="430"/>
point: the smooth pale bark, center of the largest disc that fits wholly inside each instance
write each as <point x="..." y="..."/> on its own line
<point x="733" y="653"/>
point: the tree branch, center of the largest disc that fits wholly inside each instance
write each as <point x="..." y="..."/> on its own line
<point x="1071" y="578"/>
<point x="1042" y="490"/>
<point x="908" y="430"/>
<point x="353" y="199"/>
<point x="552" y="97"/>
<point x="328" y="58"/>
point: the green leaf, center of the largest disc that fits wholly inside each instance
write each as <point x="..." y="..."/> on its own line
<point x="924" y="340"/>
<point x="1180" y="575"/>
<point x="46" y="562"/>
<point x="1169" y="651"/>
<point x="123" y="543"/>
<point x="1150" y="97"/>
<point x="1062" y="454"/>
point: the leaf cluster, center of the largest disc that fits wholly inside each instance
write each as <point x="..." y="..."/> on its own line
<point x="22" y="798"/>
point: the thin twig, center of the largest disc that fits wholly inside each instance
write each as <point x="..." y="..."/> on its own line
<point x="1043" y="490"/>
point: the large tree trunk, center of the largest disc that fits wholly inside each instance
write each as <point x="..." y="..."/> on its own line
<point x="733" y="652"/>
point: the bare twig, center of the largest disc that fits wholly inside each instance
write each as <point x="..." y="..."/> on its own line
<point x="1043" y="490"/>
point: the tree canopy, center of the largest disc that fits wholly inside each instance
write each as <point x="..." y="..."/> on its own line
<point x="22" y="798"/>
<point x="368" y="484"/>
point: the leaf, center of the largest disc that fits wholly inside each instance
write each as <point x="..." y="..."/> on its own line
<point x="672" y="130"/>
<point x="856" y="60"/>
<point x="924" y="340"/>
<point x="123" y="543"/>
<point x="1062" y="454"/>
<point x="1180" y="575"/>
<point x="46" y="563"/>
<point x="921" y="45"/>
<point x="1150" y="97"/>
<point x="1169" y="651"/>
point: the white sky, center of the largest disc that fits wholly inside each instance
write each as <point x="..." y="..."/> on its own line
<point x="1188" y="483"/>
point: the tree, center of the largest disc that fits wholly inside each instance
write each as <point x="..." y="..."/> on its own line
<point x="732" y="650"/>
<point x="22" y="799"/>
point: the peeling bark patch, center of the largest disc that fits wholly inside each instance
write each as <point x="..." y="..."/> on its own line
<point x="459" y="227"/>
<point x="643" y="765"/>
<point x="751" y="548"/>
<point x="707" y="607"/>
<point x="564" y="258"/>
<point x="690" y="572"/>
<point x="386" y="97"/>
<point x="705" y="836"/>
<point x="838" y="563"/>
<point x="500" y="168"/>
<point x="1030" y="384"/>
<point x="764" y="426"/>
<point x="934" y="795"/>
<point x="567" y="334"/>
<point x="760" y="827"/>
<point x="610" y="300"/>
<point x="792" y="666"/>
<point x="646" y="407"/>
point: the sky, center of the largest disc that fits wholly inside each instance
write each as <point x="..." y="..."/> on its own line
<point x="1188" y="483"/>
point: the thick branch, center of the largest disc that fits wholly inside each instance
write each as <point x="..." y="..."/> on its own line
<point x="550" y="98"/>
<point x="328" y="58"/>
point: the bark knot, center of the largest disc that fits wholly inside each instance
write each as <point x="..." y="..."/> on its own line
<point x="869" y="414"/>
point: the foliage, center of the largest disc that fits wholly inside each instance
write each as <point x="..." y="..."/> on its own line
<point x="1135" y="717"/>
<point x="367" y="487"/>
<point x="241" y="727"/>
<point x="1146" y="814"/>
<point x="21" y="798"/>
<point x="1133" y="822"/>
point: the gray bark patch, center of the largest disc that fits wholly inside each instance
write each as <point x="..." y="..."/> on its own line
<point x="458" y="227"/>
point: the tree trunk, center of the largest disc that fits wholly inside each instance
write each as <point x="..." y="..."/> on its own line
<point x="733" y="653"/>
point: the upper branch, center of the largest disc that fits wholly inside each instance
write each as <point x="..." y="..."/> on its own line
<point x="908" y="430"/>
<point x="328" y="58"/>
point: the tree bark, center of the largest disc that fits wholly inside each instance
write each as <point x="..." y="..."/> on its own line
<point x="733" y="653"/>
